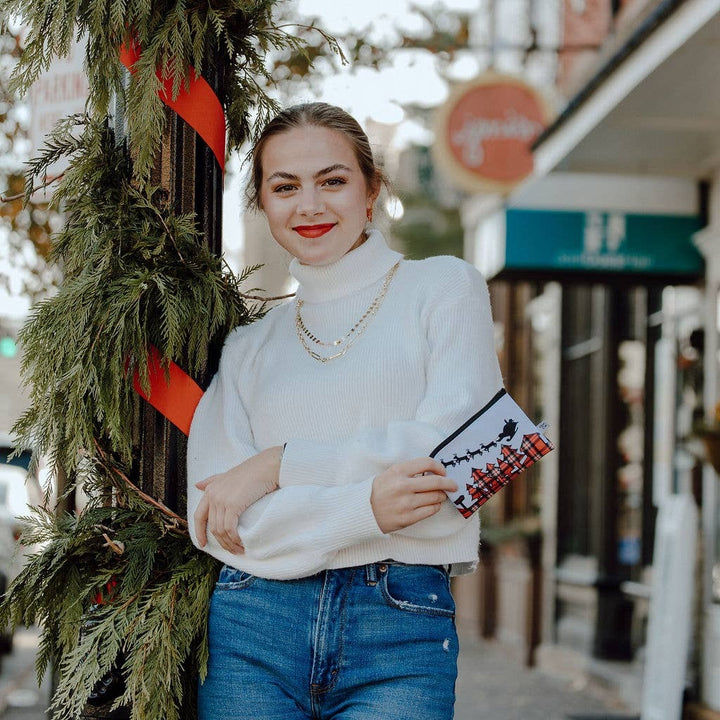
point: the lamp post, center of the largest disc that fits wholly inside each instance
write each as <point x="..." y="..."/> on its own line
<point x="186" y="169"/>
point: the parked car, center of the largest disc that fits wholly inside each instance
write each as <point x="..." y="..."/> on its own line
<point x="13" y="505"/>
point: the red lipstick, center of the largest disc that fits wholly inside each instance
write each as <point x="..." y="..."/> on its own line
<point x="313" y="231"/>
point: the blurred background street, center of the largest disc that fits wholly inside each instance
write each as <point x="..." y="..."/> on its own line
<point x="20" y="696"/>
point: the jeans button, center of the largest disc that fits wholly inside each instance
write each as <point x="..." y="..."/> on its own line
<point x="382" y="568"/>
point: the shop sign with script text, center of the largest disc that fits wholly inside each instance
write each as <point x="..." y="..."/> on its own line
<point x="485" y="132"/>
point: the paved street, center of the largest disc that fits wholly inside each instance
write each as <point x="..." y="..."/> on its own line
<point x="491" y="686"/>
<point x="20" y="697"/>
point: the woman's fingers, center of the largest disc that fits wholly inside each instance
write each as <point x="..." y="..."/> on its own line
<point x="419" y="466"/>
<point x="230" y="538"/>
<point x="201" y="520"/>
<point x="433" y="497"/>
<point x="223" y="525"/>
<point x="202" y="485"/>
<point x="227" y="495"/>
<point x="408" y="492"/>
<point x="428" y="483"/>
<point x="214" y="522"/>
<point x="221" y="522"/>
<point x="425" y="511"/>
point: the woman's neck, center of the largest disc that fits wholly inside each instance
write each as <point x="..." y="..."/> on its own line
<point x="360" y="267"/>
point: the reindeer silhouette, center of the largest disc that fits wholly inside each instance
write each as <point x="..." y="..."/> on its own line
<point x="472" y="453"/>
<point x="509" y="429"/>
<point x="449" y="463"/>
<point x="458" y="460"/>
<point x="487" y="446"/>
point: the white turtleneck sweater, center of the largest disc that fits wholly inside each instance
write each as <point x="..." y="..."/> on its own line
<point x="424" y="365"/>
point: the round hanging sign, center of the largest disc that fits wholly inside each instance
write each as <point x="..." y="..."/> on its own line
<point x="485" y="132"/>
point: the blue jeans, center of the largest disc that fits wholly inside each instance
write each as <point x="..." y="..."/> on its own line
<point x="371" y="642"/>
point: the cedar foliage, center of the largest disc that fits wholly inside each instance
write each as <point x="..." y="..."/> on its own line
<point x="155" y="615"/>
<point x="176" y="37"/>
<point x="135" y="274"/>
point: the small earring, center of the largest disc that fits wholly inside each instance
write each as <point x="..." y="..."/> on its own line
<point x="369" y="214"/>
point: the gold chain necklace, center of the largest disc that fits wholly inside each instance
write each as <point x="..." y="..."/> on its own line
<point x="347" y="340"/>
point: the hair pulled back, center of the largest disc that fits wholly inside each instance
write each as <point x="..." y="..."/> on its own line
<point x="317" y="114"/>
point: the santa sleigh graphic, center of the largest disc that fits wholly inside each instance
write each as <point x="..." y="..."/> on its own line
<point x="507" y="442"/>
<point x="507" y="433"/>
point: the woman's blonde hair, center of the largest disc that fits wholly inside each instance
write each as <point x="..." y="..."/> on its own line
<point x="323" y="115"/>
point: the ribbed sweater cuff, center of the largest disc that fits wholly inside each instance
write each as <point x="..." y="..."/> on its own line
<point x="355" y="515"/>
<point x="309" y="463"/>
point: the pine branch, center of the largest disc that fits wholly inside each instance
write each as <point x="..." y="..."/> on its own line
<point x="178" y="39"/>
<point x="135" y="275"/>
<point x="177" y="519"/>
<point x="33" y="190"/>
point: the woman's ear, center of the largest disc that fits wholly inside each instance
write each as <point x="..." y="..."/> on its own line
<point x="371" y="198"/>
<point x="373" y="195"/>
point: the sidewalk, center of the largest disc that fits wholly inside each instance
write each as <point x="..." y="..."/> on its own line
<point x="20" y="696"/>
<point x="491" y="686"/>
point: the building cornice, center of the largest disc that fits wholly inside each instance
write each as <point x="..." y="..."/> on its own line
<point x="665" y="29"/>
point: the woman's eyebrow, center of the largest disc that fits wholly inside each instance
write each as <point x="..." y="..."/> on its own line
<point x="332" y="169"/>
<point x="282" y="175"/>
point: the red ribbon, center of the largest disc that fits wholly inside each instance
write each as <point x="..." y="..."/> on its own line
<point x="196" y="103"/>
<point x="175" y="394"/>
<point x="102" y="596"/>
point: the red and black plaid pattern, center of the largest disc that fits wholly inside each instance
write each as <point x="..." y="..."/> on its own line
<point x="485" y="483"/>
<point x="512" y="457"/>
<point x="534" y="446"/>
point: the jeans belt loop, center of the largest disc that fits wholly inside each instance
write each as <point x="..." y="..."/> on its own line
<point x="371" y="574"/>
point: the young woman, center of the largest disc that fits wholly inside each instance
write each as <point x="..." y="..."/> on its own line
<point x="308" y="466"/>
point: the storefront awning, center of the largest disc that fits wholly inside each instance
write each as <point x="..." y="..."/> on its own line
<point x="653" y="108"/>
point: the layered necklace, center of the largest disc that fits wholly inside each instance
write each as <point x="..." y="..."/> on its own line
<point x="313" y="344"/>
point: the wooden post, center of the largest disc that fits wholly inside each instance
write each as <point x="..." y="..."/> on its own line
<point x="187" y="170"/>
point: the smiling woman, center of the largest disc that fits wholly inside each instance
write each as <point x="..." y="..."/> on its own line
<point x="314" y="194"/>
<point x="308" y="466"/>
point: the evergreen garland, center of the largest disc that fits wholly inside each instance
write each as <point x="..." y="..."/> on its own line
<point x="135" y="274"/>
<point x="154" y="615"/>
<point x="175" y="36"/>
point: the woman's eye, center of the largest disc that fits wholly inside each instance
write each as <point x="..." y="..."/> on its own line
<point x="333" y="182"/>
<point x="283" y="188"/>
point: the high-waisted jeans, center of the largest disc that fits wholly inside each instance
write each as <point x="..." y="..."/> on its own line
<point x="361" y="643"/>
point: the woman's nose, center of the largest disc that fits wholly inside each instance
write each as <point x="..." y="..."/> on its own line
<point x="310" y="202"/>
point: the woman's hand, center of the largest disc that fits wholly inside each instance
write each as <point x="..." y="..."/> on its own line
<point x="408" y="492"/>
<point x="227" y="495"/>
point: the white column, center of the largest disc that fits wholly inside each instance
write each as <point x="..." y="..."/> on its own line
<point x="708" y="242"/>
<point x="545" y="314"/>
